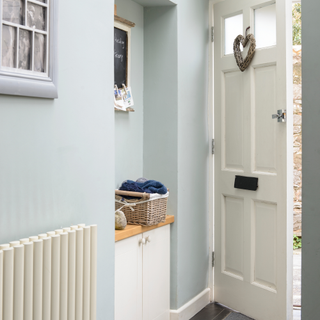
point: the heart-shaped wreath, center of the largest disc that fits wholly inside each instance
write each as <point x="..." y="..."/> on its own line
<point x="244" y="64"/>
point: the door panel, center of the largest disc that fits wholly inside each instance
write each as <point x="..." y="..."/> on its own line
<point x="264" y="268"/>
<point x="233" y="121"/>
<point x="156" y="274"/>
<point x="253" y="229"/>
<point x="232" y="242"/>
<point x="128" y="279"/>
<point x="265" y="144"/>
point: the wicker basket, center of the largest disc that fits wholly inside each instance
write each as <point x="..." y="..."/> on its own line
<point x="144" y="211"/>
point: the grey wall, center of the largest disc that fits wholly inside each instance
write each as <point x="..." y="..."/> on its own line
<point x="129" y="126"/>
<point x="310" y="160"/>
<point x="57" y="158"/>
<point x="175" y="134"/>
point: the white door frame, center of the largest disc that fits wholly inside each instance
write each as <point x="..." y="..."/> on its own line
<point x="211" y="136"/>
<point x="211" y="156"/>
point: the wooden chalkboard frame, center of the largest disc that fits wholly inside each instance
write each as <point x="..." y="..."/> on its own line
<point x="127" y="29"/>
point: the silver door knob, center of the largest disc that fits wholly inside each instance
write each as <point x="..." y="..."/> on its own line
<point x="148" y="239"/>
<point x="142" y="241"/>
<point x="281" y="115"/>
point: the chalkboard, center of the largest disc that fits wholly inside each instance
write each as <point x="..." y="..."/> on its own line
<point x="120" y="57"/>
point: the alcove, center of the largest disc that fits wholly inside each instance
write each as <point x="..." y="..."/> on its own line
<point x="166" y="137"/>
<point x="145" y="141"/>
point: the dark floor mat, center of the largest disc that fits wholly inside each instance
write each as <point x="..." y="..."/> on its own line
<point x="237" y="316"/>
<point x="212" y="311"/>
<point x="223" y="315"/>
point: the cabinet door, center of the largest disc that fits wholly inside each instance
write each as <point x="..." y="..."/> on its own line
<point x="128" y="279"/>
<point x="156" y="274"/>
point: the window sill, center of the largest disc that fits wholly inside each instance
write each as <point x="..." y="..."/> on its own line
<point x="11" y="85"/>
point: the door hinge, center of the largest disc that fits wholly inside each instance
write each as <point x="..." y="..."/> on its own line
<point x="212" y="34"/>
<point x="212" y="259"/>
<point x="212" y="146"/>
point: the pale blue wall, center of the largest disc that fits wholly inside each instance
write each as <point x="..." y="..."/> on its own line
<point x="169" y="73"/>
<point x="175" y="136"/>
<point x="129" y="126"/>
<point x="310" y="160"/>
<point x="193" y="226"/>
<point x="56" y="156"/>
<point x="161" y="113"/>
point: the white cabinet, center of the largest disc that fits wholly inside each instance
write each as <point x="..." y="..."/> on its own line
<point x="128" y="279"/>
<point x="142" y="276"/>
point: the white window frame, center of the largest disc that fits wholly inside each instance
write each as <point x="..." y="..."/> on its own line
<point x="20" y="82"/>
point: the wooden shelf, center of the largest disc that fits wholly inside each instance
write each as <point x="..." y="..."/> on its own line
<point x="133" y="230"/>
<point x="156" y="3"/>
<point x="128" y="110"/>
<point x="124" y="21"/>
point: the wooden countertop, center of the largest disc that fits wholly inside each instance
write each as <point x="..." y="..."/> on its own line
<point x="132" y="230"/>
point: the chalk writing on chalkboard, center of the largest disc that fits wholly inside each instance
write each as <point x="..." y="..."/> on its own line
<point x="120" y="57"/>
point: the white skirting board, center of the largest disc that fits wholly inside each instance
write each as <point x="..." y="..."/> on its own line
<point x="192" y="307"/>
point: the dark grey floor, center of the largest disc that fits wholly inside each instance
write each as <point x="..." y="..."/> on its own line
<point x="215" y="311"/>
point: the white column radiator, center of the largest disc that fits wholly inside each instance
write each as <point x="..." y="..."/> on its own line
<point x="52" y="276"/>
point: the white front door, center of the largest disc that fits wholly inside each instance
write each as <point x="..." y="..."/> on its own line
<point x="253" y="229"/>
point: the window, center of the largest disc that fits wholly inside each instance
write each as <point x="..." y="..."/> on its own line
<point x="28" y="65"/>
<point x="233" y="26"/>
<point x="265" y="26"/>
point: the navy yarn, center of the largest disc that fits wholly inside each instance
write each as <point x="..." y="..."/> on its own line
<point x="150" y="186"/>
